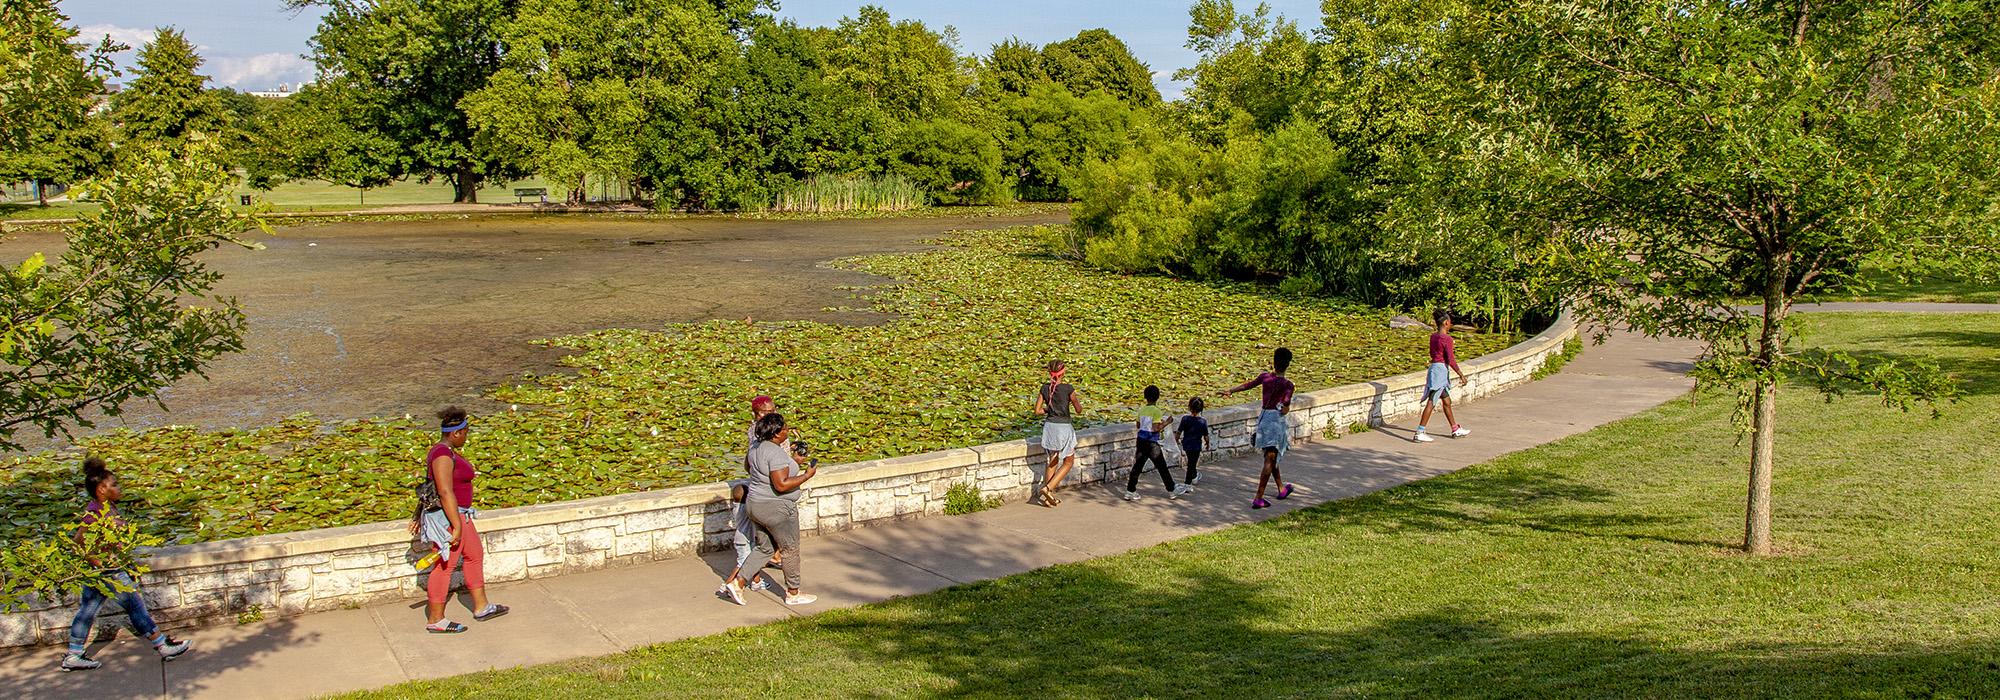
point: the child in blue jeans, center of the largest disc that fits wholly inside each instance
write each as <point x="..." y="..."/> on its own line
<point x="1193" y="430"/>
<point x="102" y="486"/>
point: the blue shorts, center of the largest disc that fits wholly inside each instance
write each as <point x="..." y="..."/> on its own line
<point x="1437" y="382"/>
<point x="1273" y="432"/>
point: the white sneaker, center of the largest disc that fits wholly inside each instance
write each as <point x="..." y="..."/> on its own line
<point x="1460" y="431"/>
<point x="78" y="662"/>
<point x="800" y="599"/>
<point x="1178" y="491"/>
<point x="1195" y="480"/>
<point x="733" y="592"/>
<point x="760" y="584"/>
<point x="1423" y="437"/>
<point x="171" y="648"/>
<point x="1131" y="495"/>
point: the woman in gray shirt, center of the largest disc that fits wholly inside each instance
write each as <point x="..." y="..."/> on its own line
<point x="772" y="498"/>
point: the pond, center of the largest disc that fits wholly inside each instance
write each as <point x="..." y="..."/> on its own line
<point x="376" y="318"/>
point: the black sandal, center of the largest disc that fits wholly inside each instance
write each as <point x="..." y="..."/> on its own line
<point x="491" y="612"/>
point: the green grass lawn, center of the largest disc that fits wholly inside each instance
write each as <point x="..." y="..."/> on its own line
<point x="308" y="196"/>
<point x="957" y="364"/>
<point x="1598" y="566"/>
<point x="1940" y="289"/>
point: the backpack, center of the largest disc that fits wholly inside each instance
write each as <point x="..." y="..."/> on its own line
<point x="427" y="493"/>
<point x="427" y="496"/>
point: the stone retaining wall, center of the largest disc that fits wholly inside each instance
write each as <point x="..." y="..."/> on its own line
<point x="297" y="572"/>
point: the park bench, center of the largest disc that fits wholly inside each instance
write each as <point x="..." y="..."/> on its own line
<point x="520" y="192"/>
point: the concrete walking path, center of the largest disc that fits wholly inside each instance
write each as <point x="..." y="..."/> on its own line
<point x="602" y="612"/>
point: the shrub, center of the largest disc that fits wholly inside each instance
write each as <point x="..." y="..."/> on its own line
<point x="1555" y="362"/>
<point x="952" y="162"/>
<point x="963" y="498"/>
<point x="1139" y="212"/>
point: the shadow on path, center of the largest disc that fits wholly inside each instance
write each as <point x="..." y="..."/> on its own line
<point x="133" y="669"/>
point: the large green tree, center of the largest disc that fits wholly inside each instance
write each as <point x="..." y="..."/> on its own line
<point x="121" y="313"/>
<point x="324" y="132"/>
<point x="1049" y="134"/>
<point x="168" y="102"/>
<point x="49" y="83"/>
<point x="1289" y="186"/>
<point x="770" y="119"/>
<point x="1254" y="69"/>
<point x="415" y="61"/>
<point x="1094" y="60"/>
<point x="904" y="68"/>
<point x="580" y="78"/>
<point x="1011" y="68"/>
<point x="1653" y="161"/>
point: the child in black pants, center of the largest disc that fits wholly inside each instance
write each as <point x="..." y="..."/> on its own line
<point x="1152" y="421"/>
<point x="1193" y="431"/>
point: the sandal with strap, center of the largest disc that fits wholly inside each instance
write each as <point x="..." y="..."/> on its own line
<point x="491" y="611"/>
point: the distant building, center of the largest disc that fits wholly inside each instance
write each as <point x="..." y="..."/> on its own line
<point x="284" y="90"/>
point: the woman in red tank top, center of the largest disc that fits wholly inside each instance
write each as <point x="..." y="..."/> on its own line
<point x="453" y="475"/>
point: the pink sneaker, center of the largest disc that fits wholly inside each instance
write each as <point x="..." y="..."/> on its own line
<point x="1259" y="503"/>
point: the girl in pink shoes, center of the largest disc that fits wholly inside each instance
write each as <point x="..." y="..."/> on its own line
<point x="1437" y="383"/>
<point x="1274" y="436"/>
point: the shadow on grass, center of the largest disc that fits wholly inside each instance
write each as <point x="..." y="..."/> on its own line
<point x="1507" y="499"/>
<point x="1977" y="375"/>
<point x="1203" y="632"/>
<point x="12" y="209"/>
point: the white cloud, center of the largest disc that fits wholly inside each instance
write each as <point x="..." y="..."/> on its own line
<point x="259" y="72"/>
<point x="263" y="71"/>
<point x="128" y="36"/>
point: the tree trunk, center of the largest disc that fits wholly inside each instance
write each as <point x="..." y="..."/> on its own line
<point x="1770" y="343"/>
<point x="41" y="195"/>
<point x="465" y="185"/>
<point x="1757" y="517"/>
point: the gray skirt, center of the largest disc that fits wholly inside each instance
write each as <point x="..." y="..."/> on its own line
<point x="1272" y="432"/>
<point x="1059" y="439"/>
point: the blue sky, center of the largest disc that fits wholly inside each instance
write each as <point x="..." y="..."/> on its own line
<point x="256" y="44"/>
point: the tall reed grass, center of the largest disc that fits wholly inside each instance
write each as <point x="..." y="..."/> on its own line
<point x="849" y="193"/>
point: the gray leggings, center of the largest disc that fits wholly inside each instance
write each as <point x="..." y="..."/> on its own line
<point x="780" y="518"/>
